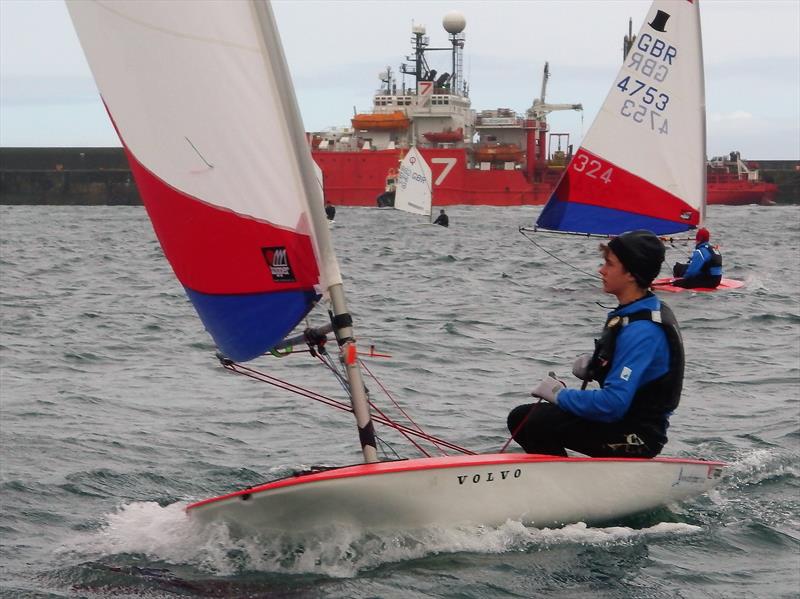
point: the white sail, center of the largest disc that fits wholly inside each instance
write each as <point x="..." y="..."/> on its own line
<point x="414" y="185"/>
<point x="200" y="101"/>
<point x="642" y="164"/>
<point x="201" y="97"/>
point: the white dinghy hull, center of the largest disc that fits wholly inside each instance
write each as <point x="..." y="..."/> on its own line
<point x="541" y="491"/>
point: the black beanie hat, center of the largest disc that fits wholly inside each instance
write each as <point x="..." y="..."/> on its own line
<point x="641" y="253"/>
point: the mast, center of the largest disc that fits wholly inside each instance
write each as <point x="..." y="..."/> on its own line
<point x="341" y="319"/>
<point x="704" y="171"/>
<point x="454" y="23"/>
<point x="627" y="41"/>
<point x="419" y="43"/>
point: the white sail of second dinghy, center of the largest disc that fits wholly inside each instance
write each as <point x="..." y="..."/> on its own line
<point x="414" y="185"/>
<point x="642" y="164"/>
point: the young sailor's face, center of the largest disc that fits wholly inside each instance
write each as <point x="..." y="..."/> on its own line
<point x="615" y="277"/>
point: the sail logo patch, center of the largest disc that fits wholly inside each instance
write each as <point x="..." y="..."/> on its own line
<point x="278" y="262"/>
<point x="625" y="375"/>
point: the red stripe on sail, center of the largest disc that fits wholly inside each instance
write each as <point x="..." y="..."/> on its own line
<point x="214" y="250"/>
<point x="590" y="179"/>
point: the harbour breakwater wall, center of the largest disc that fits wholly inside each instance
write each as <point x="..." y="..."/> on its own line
<point x="101" y="177"/>
<point x="66" y="176"/>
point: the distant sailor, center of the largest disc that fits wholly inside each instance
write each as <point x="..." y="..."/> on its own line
<point x="638" y="362"/>
<point x="330" y="211"/>
<point x="704" y="268"/>
<point x="442" y="219"/>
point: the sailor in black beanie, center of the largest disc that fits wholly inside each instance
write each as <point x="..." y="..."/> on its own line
<point x="641" y="253"/>
<point x="638" y="363"/>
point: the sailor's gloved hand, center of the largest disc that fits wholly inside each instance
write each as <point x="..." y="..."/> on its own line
<point x="580" y="367"/>
<point x="549" y="389"/>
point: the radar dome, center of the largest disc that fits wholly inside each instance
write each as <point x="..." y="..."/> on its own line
<point x="454" y="22"/>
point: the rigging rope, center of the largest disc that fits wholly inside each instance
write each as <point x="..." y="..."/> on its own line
<point x="523" y="232"/>
<point x="669" y="244"/>
<point x="519" y="427"/>
<point x="380" y="419"/>
<point x="399" y="407"/>
<point x="332" y="366"/>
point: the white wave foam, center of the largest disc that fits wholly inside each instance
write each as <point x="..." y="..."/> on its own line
<point x="167" y="534"/>
<point x="755" y="466"/>
<point x="738" y="497"/>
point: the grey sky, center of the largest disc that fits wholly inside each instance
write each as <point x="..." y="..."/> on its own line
<point x="336" y="50"/>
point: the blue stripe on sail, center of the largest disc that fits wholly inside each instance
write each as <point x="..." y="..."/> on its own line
<point x="585" y="218"/>
<point x="248" y="325"/>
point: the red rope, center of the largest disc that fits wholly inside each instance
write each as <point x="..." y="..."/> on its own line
<point x="408" y="438"/>
<point x="265" y="378"/>
<point x="379" y="411"/>
<point x="519" y="428"/>
<point x="397" y="405"/>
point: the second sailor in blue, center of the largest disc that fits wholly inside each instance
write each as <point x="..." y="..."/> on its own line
<point x="704" y="268"/>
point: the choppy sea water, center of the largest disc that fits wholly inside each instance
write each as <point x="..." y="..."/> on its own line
<point x="115" y="413"/>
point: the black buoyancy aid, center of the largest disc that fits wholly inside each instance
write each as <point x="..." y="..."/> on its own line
<point x="654" y="401"/>
<point x="714" y="261"/>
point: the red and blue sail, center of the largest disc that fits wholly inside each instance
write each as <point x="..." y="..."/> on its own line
<point x="250" y="281"/>
<point x="204" y="120"/>
<point x="642" y="163"/>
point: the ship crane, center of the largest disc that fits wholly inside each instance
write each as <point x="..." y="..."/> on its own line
<point x="735" y="158"/>
<point x="537" y="129"/>
<point x="540" y="109"/>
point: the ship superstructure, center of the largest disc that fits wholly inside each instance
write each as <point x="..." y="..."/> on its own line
<point x="493" y="156"/>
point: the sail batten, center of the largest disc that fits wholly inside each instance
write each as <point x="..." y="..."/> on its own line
<point x="642" y="162"/>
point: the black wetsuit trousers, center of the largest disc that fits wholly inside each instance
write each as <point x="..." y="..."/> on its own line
<point x="547" y="429"/>
<point x="698" y="281"/>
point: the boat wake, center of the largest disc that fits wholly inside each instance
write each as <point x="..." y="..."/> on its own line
<point x="758" y="470"/>
<point x="166" y="536"/>
<point x="152" y="536"/>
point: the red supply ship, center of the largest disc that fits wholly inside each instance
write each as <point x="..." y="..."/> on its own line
<point x="493" y="157"/>
<point x="732" y="181"/>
